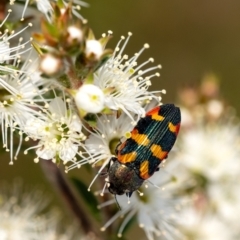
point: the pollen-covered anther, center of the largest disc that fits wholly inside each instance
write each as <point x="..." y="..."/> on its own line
<point x="148" y="82"/>
<point x="134" y="122"/>
<point x="119" y="235"/>
<point x="141" y="225"/>
<point x="36" y="160"/>
<point x="146" y="45"/>
<point x="164" y="91"/>
<point x="128" y="135"/>
<point x="102" y="229"/>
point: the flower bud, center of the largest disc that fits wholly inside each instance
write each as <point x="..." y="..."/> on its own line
<point x="75" y="34"/>
<point x="51" y="65"/>
<point x="94" y="49"/>
<point x="90" y="98"/>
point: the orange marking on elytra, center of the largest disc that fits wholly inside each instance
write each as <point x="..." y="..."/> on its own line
<point x="128" y="157"/>
<point x="144" y="169"/>
<point x="154" y="113"/>
<point x="174" y="128"/>
<point x="158" y="152"/>
<point x="140" y="139"/>
<point x="157" y="117"/>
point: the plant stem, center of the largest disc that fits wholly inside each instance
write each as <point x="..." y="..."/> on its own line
<point x="2" y="9"/>
<point x="59" y="181"/>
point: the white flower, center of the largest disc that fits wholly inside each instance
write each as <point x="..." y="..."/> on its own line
<point x="58" y="132"/>
<point x="45" y="7"/>
<point x="22" y="217"/>
<point x="212" y="151"/>
<point x="125" y="82"/>
<point x="53" y="232"/>
<point x="19" y="211"/>
<point x="199" y="226"/>
<point x="102" y="142"/>
<point x="225" y="199"/>
<point x="19" y="93"/>
<point x="89" y="98"/>
<point x="10" y="55"/>
<point x="155" y="205"/>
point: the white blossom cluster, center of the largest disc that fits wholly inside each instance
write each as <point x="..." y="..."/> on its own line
<point x="22" y="216"/>
<point x="208" y="151"/>
<point x="69" y="99"/>
<point x="41" y="113"/>
<point x="40" y="109"/>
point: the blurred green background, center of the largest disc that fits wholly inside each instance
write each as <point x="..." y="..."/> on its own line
<point x="188" y="38"/>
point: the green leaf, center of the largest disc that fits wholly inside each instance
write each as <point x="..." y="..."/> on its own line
<point x="91" y="119"/>
<point x="88" y="197"/>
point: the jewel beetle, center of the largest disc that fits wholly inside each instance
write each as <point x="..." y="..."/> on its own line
<point x="138" y="157"/>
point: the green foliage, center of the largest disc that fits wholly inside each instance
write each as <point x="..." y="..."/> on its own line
<point x="88" y="198"/>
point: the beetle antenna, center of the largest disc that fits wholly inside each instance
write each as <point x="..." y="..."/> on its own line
<point x="103" y="174"/>
<point x="115" y="196"/>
